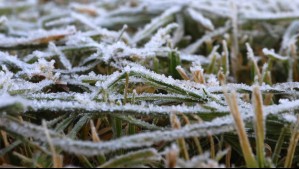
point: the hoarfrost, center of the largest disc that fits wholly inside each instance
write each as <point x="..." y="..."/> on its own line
<point x="291" y="118"/>
<point x="62" y="65"/>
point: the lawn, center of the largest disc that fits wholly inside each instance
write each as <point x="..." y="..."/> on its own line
<point x="145" y="83"/>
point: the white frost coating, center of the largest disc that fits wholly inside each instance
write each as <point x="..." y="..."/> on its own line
<point x="37" y="37"/>
<point x="135" y="141"/>
<point x="120" y="55"/>
<point x="274" y="55"/>
<point x="52" y="96"/>
<point x="245" y="88"/>
<point x="161" y="37"/>
<point x="61" y="21"/>
<point x="91" y="77"/>
<point x="288" y="106"/>
<point x="290" y="117"/>
<point x="108" y="34"/>
<point x="291" y="87"/>
<point x="5" y="58"/>
<point x="194" y="58"/>
<point x="79" y="69"/>
<point x="218" y="125"/>
<point x="63" y="59"/>
<point x="83" y="102"/>
<point x="290" y="36"/>
<point x="112" y="79"/>
<point x="183" y="86"/>
<point x="120" y="50"/>
<point x="205" y="22"/>
<point x="25" y="86"/>
<point x="7" y="100"/>
<point x="156" y="23"/>
<point x="201" y="161"/>
<point x="196" y="66"/>
<point x="78" y="39"/>
<point x="42" y="68"/>
<point x="254" y="15"/>
<point x="194" y="46"/>
<point x="3" y="19"/>
<point x="283" y="101"/>
<point x="5" y="78"/>
<point x="212" y="81"/>
<point x="94" y="56"/>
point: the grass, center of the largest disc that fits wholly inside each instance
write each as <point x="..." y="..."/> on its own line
<point x="149" y="83"/>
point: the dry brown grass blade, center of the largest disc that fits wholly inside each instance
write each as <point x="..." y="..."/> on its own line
<point x="94" y="134"/>
<point x="195" y="139"/>
<point x="292" y="145"/>
<point x="228" y="157"/>
<point x="240" y="127"/>
<point x="198" y="77"/>
<point x="57" y="159"/>
<point x="171" y="158"/>
<point x="4" y="137"/>
<point x="176" y="124"/>
<point x="259" y="125"/>
<point x="221" y="78"/>
<point x="182" y="72"/>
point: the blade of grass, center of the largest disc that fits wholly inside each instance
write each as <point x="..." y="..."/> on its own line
<point x="137" y="157"/>
<point x="176" y="124"/>
<point x="240" y="127"/>
<point x="259" y="125"/>
<point x="292" y="145"/>
<point x="278" y="146"/>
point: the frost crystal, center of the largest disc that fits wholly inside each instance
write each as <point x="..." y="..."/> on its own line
<point x="111" y="62"/>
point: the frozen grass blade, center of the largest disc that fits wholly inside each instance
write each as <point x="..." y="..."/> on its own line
<point x="250" y="55"/>
<point x="146" y="72"/>
<point x="138" y="157"/>
<point x="191" y="49"/>
<point x="206" y="23"/>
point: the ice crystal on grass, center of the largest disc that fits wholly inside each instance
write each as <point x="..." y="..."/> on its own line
<point x="206" y="23"/>
<point x="161" y="37"/>
<point x="36" y="37"/>
<point x="108" y="76"/>
<point x="273" y="55"/>
<point x="7" y="100"/>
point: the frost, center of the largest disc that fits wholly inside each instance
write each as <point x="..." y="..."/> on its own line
<point x="274" y="55"/>
<point x="111" y="58"/>
<point x="6" y="101"/>
<point x="283" y="101"/>
<point x="161" y="37"/>
<point x="194" y="46"/>
<point x="290" y="36"/>
<point x="291" y="118"/>
<point x="212" y="81"/>
<point x="5" y="78"/>
<point x="166" y="17"/>
<point x="90" y="24"/>
<point x="201" y="19"/>
<point x="5" y="58"/>
<point x="41" y="68"/>
<point x="37" y="37"/>
<point x="78" y="39"/>
<point x="3" y="19"/>
<point x="66" y="63"/>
